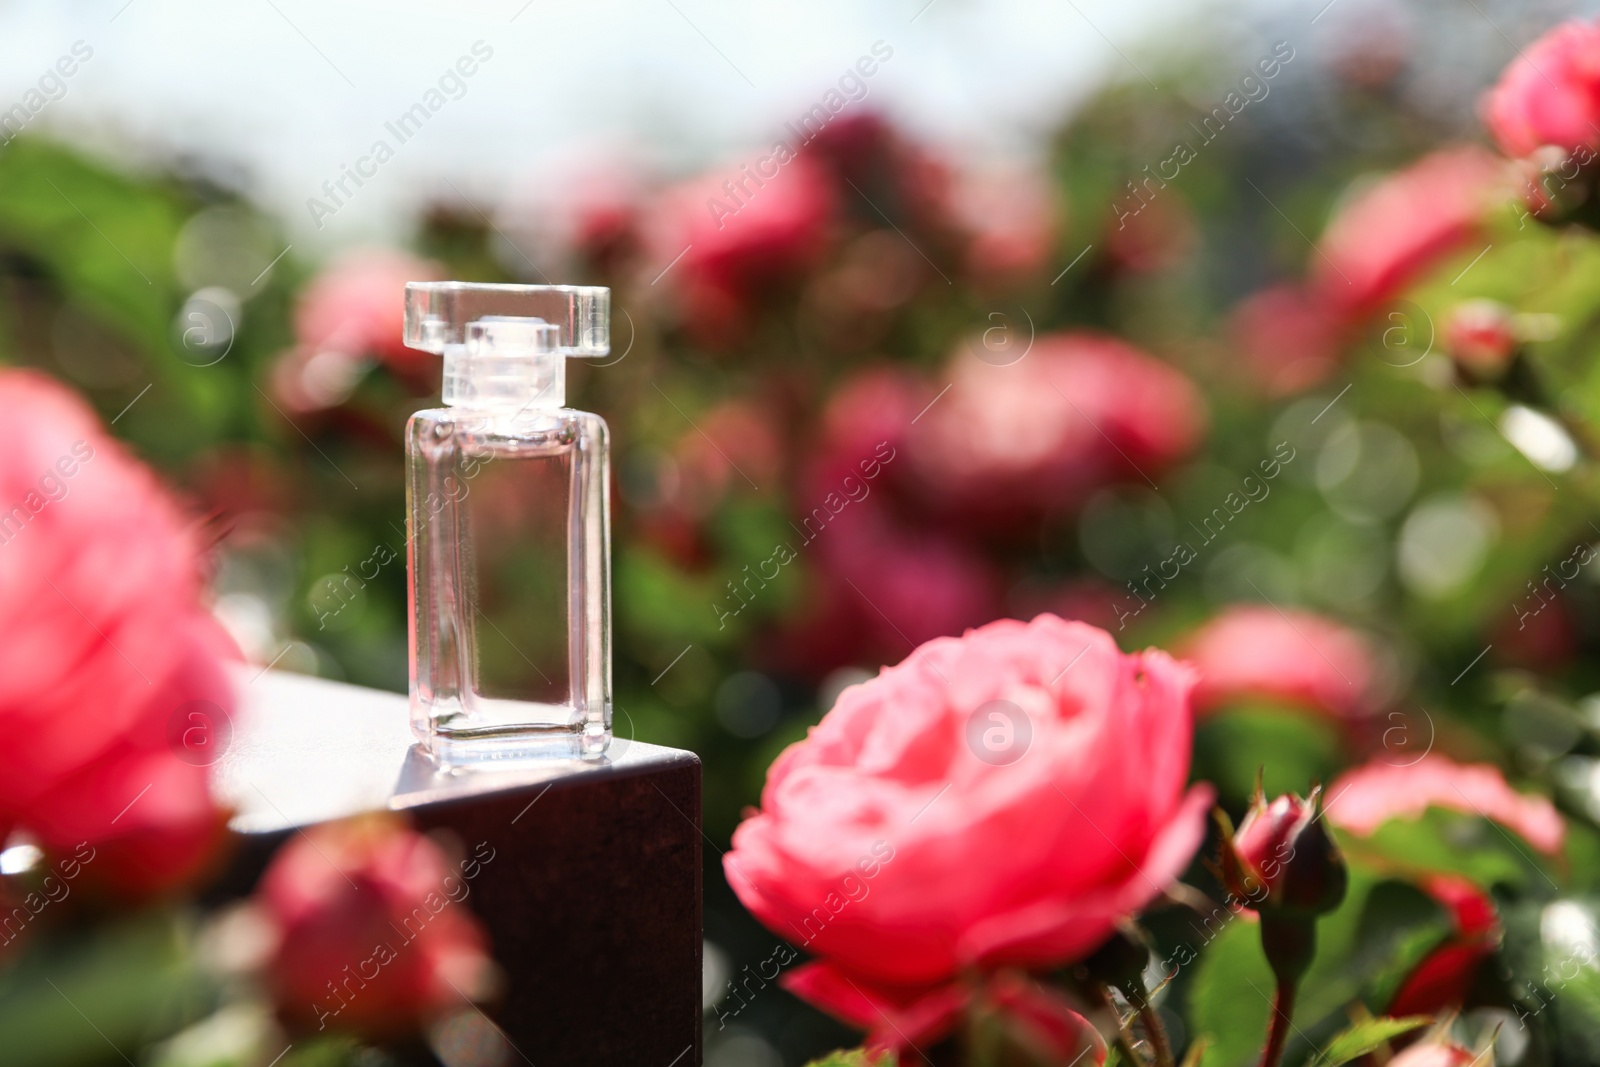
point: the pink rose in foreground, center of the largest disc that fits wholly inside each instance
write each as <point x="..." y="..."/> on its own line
<point x="997" y="799"/>
<point x="106" y="642"/>
<point x="1549" y="94"/>
<point x="1289" y="338"/>
<point x="371" y="937"/>
<point x="1391" y="234"/>
<point x="1365" y="798"/>
<point x="1077" y="411"/>
<point x="1254" y="652"/>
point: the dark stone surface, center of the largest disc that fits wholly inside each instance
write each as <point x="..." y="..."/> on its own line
<point x="591" y="887"/>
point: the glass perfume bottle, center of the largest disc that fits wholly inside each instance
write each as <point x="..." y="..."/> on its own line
<point x="509" y="527"/>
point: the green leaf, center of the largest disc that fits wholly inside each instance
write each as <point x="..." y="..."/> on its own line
<point x="1290" y="748"/>
<point x="1230" y="1002"/>
<point x="856" y="1057"/>
<point x="1365" y="1037"/>
<point x="81" y="998"/>
<point x="1450" y="842"/>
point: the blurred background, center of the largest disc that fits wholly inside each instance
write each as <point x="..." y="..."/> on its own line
<point x="829" y="229"/>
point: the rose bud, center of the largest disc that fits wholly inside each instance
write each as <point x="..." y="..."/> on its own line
<point x="1480" y="335"/>
<point x="1283" y="858"/>
<point x="372" y="937"/>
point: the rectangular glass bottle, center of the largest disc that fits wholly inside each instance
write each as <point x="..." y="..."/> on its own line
<point x="509" y="564"/>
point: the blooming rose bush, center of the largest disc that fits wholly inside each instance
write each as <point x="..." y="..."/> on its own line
<point x="901" y="852"/>
<point x="913" y="374"/>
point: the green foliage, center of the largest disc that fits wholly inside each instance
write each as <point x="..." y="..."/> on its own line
<point x="856" y="1057"/>
<point x="1453" y="842"/>
<point x="1228" y="747"/>
<point x="1366" y="1037"/>
<point x="1381" y="927"/>
<point x="81" y="997"/>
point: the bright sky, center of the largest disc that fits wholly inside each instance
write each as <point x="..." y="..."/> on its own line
<point x="276" y="95"/>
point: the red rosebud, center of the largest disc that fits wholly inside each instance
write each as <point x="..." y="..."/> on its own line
<point x="1283" y="860"/>
<point x="1480" y="336"/>
<point x="1550" y="94"/>
<point x="1444" y="978"/>
<point x="370" y="939"/>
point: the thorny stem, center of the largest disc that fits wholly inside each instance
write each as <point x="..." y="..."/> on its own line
<point x="1278" y="1035"/>
<point x="1124" y="1041"/>
<point x="1156" y="1032"/>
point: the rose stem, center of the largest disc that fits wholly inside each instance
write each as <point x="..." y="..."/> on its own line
<point x="1278" y="1035"/>
<point x="1124" y="1039"/>
<point x="1156" y="1033"/>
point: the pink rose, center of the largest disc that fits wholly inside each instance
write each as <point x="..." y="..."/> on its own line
<point x="1008" y="215"/>
<point x="997" y="799"/>
<point x="356" y="307"/>
<point x="371" y="939"/>
<point x="1254" y="652"/>
<point x="1289" y="338"/>
<point x="1550" y="94"/>
<point x="1392" y="233"/>
<point x="106" y="642"/>
<point x="1365" y="798"/>
<point x="739" y="236"/>
<point x="1076" y="411"/>
<point x="350" y="313"/>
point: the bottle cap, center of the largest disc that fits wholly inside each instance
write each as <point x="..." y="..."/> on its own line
<point x="439" y="314"/>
